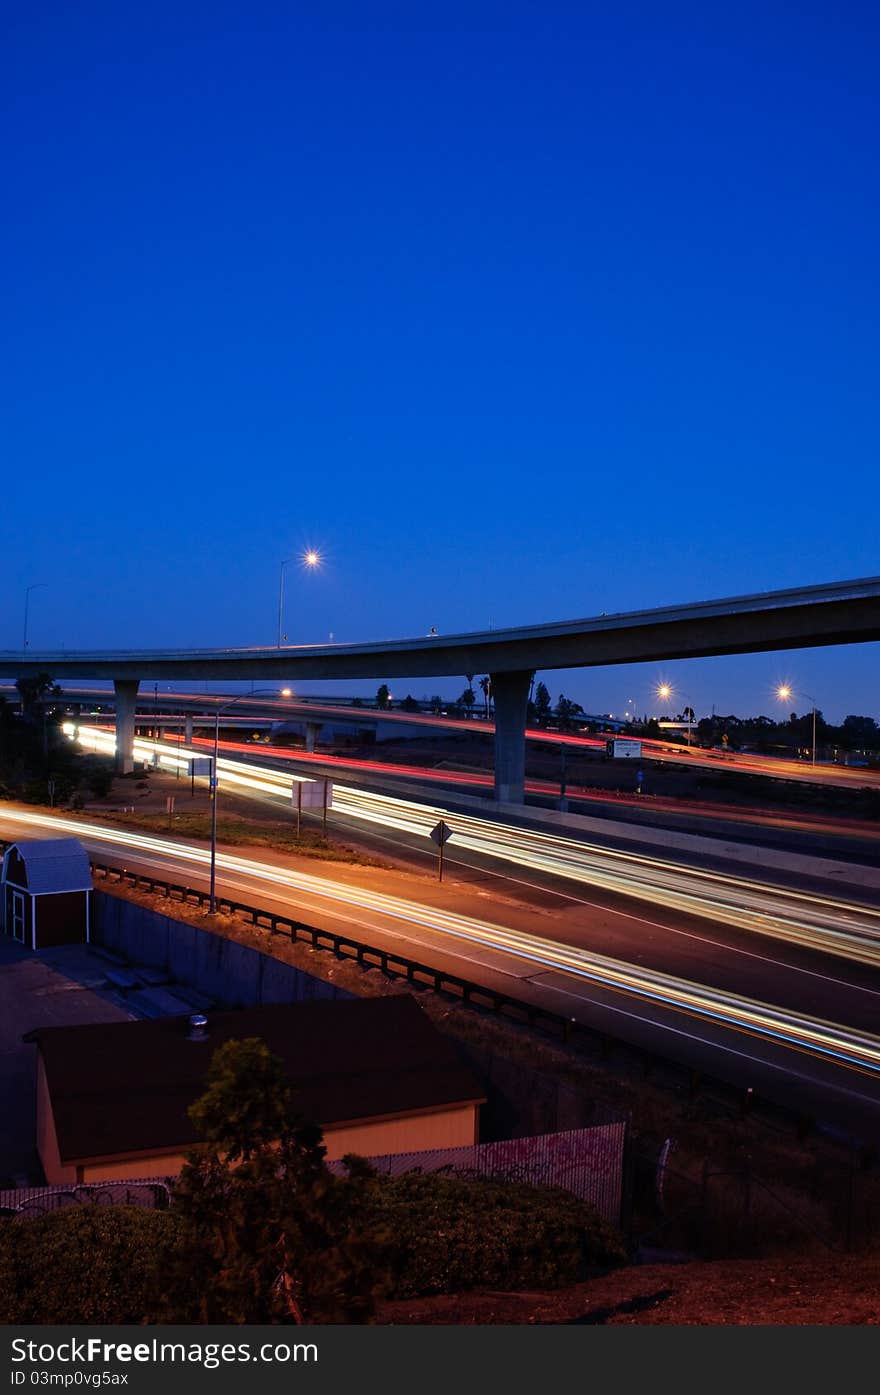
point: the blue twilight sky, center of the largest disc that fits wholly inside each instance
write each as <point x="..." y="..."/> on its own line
<point x="516" y="311"/>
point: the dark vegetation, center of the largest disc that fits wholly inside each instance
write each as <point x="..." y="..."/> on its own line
<point x="38" y="765"/>
<point x="260" y="1229"/>
<point x="452" y="1234"/>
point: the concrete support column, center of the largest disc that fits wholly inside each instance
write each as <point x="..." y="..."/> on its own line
<point x="188" y="728"/>
<point x="126" y="697"/>
<point x="313" y="731"/>
<point x="510" y="694"/>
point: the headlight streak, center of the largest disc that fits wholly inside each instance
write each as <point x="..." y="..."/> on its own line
<point x="832" y="927"/>
<point x="827" y="1040"/>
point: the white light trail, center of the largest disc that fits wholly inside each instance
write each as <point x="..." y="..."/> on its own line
<point x="825" y="924"/>
<point x="827" y="1040"/>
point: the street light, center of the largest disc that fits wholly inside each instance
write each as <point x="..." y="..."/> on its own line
<point x="784" y="692"/>
<point x="242" y="697"/>
<point x="664" y="692"/>
<point x="309" y="560"/>
<point x="27" y="602"/>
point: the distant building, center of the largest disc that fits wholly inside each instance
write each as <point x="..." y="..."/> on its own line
<point x="374" y="1073"/>
<point x="45" y="886"/>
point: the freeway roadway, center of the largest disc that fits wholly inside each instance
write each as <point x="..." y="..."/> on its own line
<point x="819" y="833"/>
<point x="804" y="951"/>
<point x="292" y="709"/>
<point x="792" y="1023"/>
<point x="820" y="836"/>
<point x="697" y="876"/>
<point x="842" y="612"/>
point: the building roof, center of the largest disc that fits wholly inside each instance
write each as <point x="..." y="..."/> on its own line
<point x="119" y="1088"/>
<point x="53" y="864"/>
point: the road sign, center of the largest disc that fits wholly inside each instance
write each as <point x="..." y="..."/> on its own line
<point x="199" y="766"/>
<point x="312" y="794"/>
<point x="440" y="835"/>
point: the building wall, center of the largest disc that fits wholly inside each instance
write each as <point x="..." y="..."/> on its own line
<point x="61" y="918"/>
<point x="15" y="870"/>
<point x="234" y="975"/>
<point x="47" y="1140"/>
<point x="156" y="1165"/>
<point x="447" y="1128"/>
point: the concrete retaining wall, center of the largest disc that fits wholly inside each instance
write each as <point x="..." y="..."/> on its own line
<point x="230" y="973"/>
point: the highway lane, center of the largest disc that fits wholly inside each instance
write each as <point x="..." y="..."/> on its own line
<point x="857" y="839"/>
<point x="786" y="1052"/>
<point x="810" y="920"/>
<point x="726" y="951"/>
<point x="780" y="768"/>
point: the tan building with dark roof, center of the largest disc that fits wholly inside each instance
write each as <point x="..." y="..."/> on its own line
<point x="112" y="1098"/>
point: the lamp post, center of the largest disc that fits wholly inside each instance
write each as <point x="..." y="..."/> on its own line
<point x="27" y="603"/>
<point x="784" y="692"/>
<point x="310" y="560"/>
<point x="242" y="697"/>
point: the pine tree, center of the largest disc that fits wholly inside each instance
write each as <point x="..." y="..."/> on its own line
<point x="542" y="704"/>
<point x="268" y="1233"/>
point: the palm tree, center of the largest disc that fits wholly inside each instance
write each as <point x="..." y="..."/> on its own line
<point x="486" y="685"/>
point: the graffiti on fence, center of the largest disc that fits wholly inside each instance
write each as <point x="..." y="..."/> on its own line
<point x="151" y="1192"/>
<point x="587" y="1162"/>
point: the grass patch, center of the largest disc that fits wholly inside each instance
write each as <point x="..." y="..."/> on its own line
<point x="240" y="832"/>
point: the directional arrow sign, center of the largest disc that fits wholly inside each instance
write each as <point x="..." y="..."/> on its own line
<point x="441" y="834"/>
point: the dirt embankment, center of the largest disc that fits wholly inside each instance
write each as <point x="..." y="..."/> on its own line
<point x="829" y="1290"/>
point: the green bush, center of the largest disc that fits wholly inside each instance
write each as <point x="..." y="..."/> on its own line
<point x="85" y="1264"/>
<point x="453" y="1233"/>
<point x="105" y="1264"/>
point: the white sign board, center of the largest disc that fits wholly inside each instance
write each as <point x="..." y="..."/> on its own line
<point x="201" y="766"/>
<point x="312" y="794"/>
<point x="621" y="747"/>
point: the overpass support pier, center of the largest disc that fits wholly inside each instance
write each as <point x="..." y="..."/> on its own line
<point x="510" y="692"/>
<point x="126" y="699"/>
<point x="188" y="728"/>
<point x="313" y="730"/>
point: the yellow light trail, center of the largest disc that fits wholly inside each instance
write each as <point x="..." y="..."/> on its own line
<point x="853" y="1049"/>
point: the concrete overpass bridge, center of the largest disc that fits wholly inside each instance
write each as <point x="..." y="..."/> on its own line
<point x="845" y="612"/>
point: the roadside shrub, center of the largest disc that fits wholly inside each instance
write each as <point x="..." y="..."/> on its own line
<point x="453" y="1233"/>
<point x="88" y="1265"/>
<point x="100" y="781"/>
<point x="83" y="1265"/>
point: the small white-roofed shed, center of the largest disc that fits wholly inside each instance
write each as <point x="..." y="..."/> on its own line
<point x="45" y="886"/>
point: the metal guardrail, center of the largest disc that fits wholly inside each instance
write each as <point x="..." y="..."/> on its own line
<point x="344" y="947"/>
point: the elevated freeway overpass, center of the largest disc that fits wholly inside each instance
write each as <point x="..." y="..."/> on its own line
<point x="845" y="612"/>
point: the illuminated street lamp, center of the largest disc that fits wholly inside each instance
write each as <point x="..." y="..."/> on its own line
<point x="242" y="697"/>
<point x="665" y="692"/>
<point x="784" y="692"/>
<point x="309" y="560"/>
